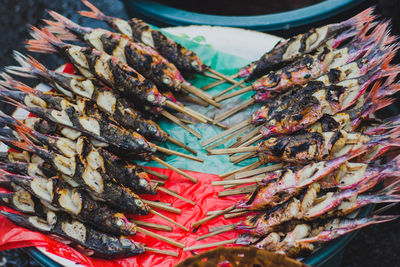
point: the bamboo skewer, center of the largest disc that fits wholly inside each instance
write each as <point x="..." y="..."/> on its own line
<point x="194" y="100"/>
<point x="252" y="140"/>
<point x="246" y="137"/>
<point x="164" y="252"/>
<point x="158" y="182"/>
<point x="217" y="228"/>
<point x="201" y="94"/>
<point x="233" y="94"/>
<point x="180" y="123"/>
<point x="227" y="132"/>
<point x="174" y="169"/>
<point x="169" y="220"/>
<point x="160" y="237"/>
<point x="186" y="111"/>
<point x="244" y="157"/>
<point x="218" y="96"/>
<point x="176" y="153"/>
<point x="256" y="179"/>
<point x="238" y="158"/>
<point x="269" y="168"/>
<point x="223" y="151"/>
<point x="215" y="244"/>
<point x="250" y="167"/>
<point x="209" y="218"/>
<point x="156" y="226"/>
<point x="165" y="190"/>
<point x="230" y="112"/>
<point x="219" y="82"/>
<point x="238" y="191"/>
<point x="223" y="76"/>
<point x="180" y="144"/>
<point x="160" y="206"/>
<point x="233" y="211"/>
<point x="232" y="227"/>
<point x="156" y="174"/>
<point x="212" y="76"/>
<point x="236" y="214"/>
<point x="237" y="133"/>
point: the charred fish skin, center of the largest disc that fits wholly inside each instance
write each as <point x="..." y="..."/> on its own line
<point x="129" y="175"/>
<point x="142" y="58"/>
<point x="99" y="244"/>
<point x="107" y="100"/>
<point x="294" y="47"/>
<point x="91" y="62"/>
<point x="59" y="195"/>
<point x="24" y="202"/>
<point x="185" y="60"/>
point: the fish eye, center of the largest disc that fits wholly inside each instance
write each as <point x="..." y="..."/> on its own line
<point x="166" y="79"/>
<point x="125" y="242"/>
<point x="151" y="97"/>
<point x="153" y="128"/>
<point x="139" y="202"/>
<point x="195" y="64"/>
<point x="120" y="223"/>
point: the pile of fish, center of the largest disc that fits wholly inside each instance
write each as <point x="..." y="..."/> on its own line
<point x="320" y="90"/>
<point x="70" y="169"/>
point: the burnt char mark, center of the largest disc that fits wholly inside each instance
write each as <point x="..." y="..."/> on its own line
<point x="109" y="43"/>
<point x="86" y="148"/>
<point x="333" y="75"/>
<point x="254" y="195"/>
<point x="45" y="127"/>
<point x="328" y="123"/>
<point x="321" y="56"/>
<point x="333" y="93"/>
<point x="279" y="148"/>
<point x="335" y="137"/>
<point x="308" y="61"/>
<point x="47" y="169"/>
<point x="303" y="40"/>
<point x="299" y="148"/>
<point x="148" y="60"/>
<point x="138" y="26"/>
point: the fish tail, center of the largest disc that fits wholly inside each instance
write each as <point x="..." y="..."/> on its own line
<point x="27" y="68"/>
<point x="64" y="28"/>
<point x="14" y="84"/>
<point x="362" y="18"/>
<point x="43" y="41"/>
<point x="95" y="13"/>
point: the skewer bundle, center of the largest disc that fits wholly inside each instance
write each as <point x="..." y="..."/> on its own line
<point x="70" y="169"/>
<point x="320" y="90"/>
<point x="71" y="172"/>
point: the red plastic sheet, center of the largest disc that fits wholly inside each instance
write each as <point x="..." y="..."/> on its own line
<point x="203" y="193"/>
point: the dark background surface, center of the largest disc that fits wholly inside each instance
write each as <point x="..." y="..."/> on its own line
<point x="377" y="245"/>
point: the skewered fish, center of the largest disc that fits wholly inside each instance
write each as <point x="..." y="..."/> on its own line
<point x="94" y="242"/>
<point x="57" y="195"/>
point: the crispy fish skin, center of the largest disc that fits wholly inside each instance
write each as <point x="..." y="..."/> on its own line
<point x="185" y="60"/>
<point x="94" y="242"/>
<point x="97" y="125"/>
<point x="140" y="57"/>
<point x="294" y="47"/>
<point x="59" y="195"/>
<point x="91" y="62"/>
<point x="95" y="181"/>
<point x="106" y="99"/>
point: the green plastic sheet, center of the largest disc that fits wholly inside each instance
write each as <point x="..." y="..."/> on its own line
<point x="226" y="64"/>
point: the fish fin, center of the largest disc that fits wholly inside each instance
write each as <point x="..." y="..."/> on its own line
<point x="362" y="18"/>
<point x="95" y="13"/>
<point x="63" y="27"/>
<point x="24" y="70"/>
<point x="43" y="41"/>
